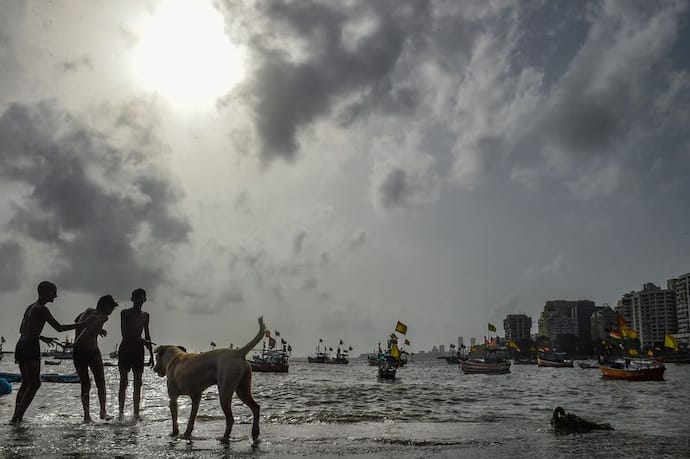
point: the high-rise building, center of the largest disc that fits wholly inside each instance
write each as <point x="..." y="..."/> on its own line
<point x="473" y="341"/>
<point x="461" y="342"/>
<point x="681" y="286"/>
<point x="603" y="319"/>
<point x="654" y="313"/>
<point x="442" y="348"/>
<point x="569" y="320"/>
<point x="624" y="307"/>
<point x="517" y="327"/>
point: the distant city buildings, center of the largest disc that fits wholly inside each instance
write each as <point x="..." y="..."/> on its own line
<point x="653" y="313"/>
<point x="681" y="285"/>
<point x="566" y="323"/>
<point x="517" y="327"/>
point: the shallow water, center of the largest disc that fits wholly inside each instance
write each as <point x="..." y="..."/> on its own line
<point x="432" y="409"/>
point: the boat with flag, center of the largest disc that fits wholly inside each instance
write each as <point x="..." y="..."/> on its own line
<point x="491" y="358"/>
<point x="389" y="361"/>
<point x="321" y="356"/>
<point x="674" y="354"/>
<point x="342" y="355"/>
<point x="271" y="359"/>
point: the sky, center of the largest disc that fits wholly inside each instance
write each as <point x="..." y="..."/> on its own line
<point x="338" y="166"/>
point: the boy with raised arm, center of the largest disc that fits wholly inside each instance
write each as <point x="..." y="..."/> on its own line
<point x="131" y="351"/>
<point x="27" y="353"/>
<point x="87" y="355"/>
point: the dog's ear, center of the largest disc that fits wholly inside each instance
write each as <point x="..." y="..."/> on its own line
<point x="157" y="350"/>
<point x="182" y="348"/>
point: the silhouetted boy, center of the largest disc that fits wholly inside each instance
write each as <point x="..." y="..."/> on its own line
<point x="131" y="352"/>
<point x="27" y="353"/>
<point x="87" y="355"/>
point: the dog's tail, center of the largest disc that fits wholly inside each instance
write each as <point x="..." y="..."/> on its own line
<point x="259" y="336"/>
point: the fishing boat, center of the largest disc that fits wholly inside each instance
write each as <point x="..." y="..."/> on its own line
<point x="554" y="360"/>
<point x="53" y="362"/>
<point x="673" y="358"/>
<point x="387" y="369"/>
<point x="587" y="365"/>
<point x="342" y="355"/>
<point x="493" y="361"/>
<point x="321" y="356"/>
<point x="64" y="350"/>
<point x="270" y="361"/>
<point x="633" y="370"/>
<point x="46" y="377"/>
<point x="453" y="357"/>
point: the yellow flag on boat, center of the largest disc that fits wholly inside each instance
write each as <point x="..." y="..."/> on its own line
<point x="633" y="352"/>
<point x="513" y="345"/>
<point x="671" y="342"/>
<point x="492" y="327"/>
<point x="626" y="331"/>
<point x="401" y="328"/>
<point x="650" y="353"/>
<point x="395" y="352"/>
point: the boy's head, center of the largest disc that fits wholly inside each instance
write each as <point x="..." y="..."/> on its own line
<point x="139" y="294"/>
<point x="47" y="290"/>
<point x="106" y="304"/>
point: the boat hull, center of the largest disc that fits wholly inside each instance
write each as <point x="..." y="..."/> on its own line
<point x="475" y="367"/>
<point x="47" y="377"/>
<point x="269" y="368"/>
<point x="387" y="371"/>
<point x="650" y="373"/>
<point x="554" y="363"/>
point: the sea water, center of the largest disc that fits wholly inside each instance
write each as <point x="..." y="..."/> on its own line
<point x="431" y="410"/>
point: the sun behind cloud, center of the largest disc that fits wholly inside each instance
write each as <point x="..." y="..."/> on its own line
<point x="184" y="55"/>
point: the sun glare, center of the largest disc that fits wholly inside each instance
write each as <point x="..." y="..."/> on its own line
<point x="184" y="55"/>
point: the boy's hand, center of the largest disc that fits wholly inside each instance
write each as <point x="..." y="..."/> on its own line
<point x="48" y="341"/>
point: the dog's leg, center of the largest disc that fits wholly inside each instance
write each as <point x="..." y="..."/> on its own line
<point x="196" y="400"/>
<point x="173" y="413"/>
<point x="225" y="397"/>
<point x="244" y="393"/>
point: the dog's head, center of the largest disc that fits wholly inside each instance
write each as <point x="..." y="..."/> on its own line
<point x="164" y="354"/>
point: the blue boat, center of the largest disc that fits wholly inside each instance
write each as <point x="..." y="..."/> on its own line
<point x="46" y="377"/>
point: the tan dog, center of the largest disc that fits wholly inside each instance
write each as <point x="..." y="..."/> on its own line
<point x="190" y="374"/>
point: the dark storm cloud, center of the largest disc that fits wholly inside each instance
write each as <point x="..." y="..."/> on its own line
<point x="11" y="265"/>
<point x="343" y="50"/>
<point x="104" y="213"/>
<point x="395" y="189"/>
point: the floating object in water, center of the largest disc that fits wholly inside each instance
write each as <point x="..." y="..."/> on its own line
<point x="570" y="423"/>
<point x="46" y="377"/>
<point x="5" y="387"/>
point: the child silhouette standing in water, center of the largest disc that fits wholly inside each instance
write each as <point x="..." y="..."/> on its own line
<point x="87" y="355"/>
<point x="131" y="351"/>
<point x="27" y="353"/>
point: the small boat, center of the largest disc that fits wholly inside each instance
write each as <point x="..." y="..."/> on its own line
<point x="270" y="361"/>
<point x="673" y="358"/>
<point x="493" y="361"/>
<point x="342" y="356"/>
<point x="387" y="369"/>
<point x="587" y="365"/>
<point x="554" y="360"/>
<point x="46" y="377"/>
<point x="53" y="362"/>
<point x="64" y="353"/>
<point x="633" y="370"/>
<point x="373" y="359"/>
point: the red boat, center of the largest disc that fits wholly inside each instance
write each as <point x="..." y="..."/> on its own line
<point x="634" y="370"/>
